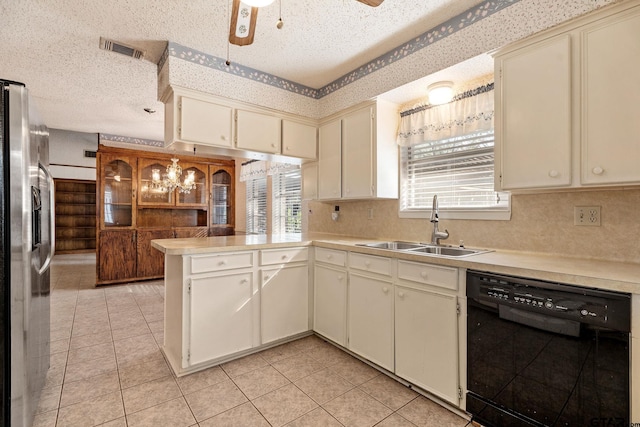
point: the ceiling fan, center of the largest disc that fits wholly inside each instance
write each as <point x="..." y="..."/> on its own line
<point x="245" y="13"/>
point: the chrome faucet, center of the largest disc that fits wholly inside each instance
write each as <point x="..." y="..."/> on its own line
<point x="436" y="235"/>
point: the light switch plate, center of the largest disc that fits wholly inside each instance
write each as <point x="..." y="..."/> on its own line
<point x="586" y="215"/>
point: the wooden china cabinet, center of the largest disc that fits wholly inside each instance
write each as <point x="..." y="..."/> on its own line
<point x="132" y="212"/>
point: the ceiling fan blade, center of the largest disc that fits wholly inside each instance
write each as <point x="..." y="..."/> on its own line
<point x="373" y="3"/>
<point x="243" y="23"/>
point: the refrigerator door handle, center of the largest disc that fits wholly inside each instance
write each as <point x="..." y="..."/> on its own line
<point x="52" y="221"/>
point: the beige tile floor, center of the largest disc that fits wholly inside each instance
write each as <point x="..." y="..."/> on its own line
<point x="107" y="369"/>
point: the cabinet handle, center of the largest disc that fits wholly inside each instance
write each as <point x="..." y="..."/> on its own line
<point x="598" y="170"/>
<point x="284" y="257"/>
<point x="288" y="148"/>
<point x="223" y="262"/>
<point x="423" y="274"/>
<point x="367" y="263"/>
<point x="553" y="173"/>
<point x="385" y="290"/>
<point x="340" y="278"/>
<point x="401" y="294"/>
<point x="222" y="137"/>
<point x="329" y="256"/>
<point x="133" y="193"/>
<point x="273" y="145"/>
<point x="243" y="281"/>
<point x="266" y="277"/>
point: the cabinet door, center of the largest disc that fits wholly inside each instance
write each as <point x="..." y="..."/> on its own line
<point x="284" y="301"/>
<point x="298" y="140"/>
<point x="426" y="334"/>
<point x="258" y="132"/>
<point x="116" y="255"/>
<point x="150" y="261"/>
<point x="371" y="319"/>
<point x="533" y="110"/>
<point x="330" y="160"/>
<point x="205" y="123"/>
<point x="220" y="316"/>
<point x="610" y="107"/>
<point x="150" y="175"/>
<point x="330" y="303"/>
<point x="310" y="181"/>
<point x="222" y="199"/>
<point x="357" y="154"/>
<point x="116" y="188"/>
<point x="195" y="173"/>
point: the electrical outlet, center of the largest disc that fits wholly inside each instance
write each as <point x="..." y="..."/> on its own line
<point x="586" y="215"/>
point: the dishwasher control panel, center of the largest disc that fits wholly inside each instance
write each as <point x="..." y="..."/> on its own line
<point x="590" y="306"/>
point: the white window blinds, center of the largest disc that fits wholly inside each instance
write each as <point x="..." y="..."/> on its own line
<point x="459" y="170"/>
<point x="257" y="205"/>
<point x="287" y="200"/>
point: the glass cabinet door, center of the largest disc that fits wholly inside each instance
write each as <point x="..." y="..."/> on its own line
<point x="222" y="198"/>
<point x="117" y="192"/>
<point x="197" y="196"/>
<point x="150" y="189"/>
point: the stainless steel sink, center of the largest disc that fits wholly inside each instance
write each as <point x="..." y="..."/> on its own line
<point x="393" y="246"/>
<point x="447" y="251"/>
<point x="424" y="248"/>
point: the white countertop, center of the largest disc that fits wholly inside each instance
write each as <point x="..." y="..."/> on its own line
<point x="609" y="275"/>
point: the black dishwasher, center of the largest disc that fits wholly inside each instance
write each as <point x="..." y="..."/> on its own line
<point x="546" y="354"/>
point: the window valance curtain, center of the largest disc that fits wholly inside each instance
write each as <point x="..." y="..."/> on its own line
<point x="261" y="168"/>
<point x="470" y="114"/>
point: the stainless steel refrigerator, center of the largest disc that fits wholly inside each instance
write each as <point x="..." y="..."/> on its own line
<point x="26" y="247"/>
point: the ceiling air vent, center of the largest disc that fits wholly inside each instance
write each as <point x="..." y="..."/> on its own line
<point x="90" y="154"/>
<point x="114" y="46"/>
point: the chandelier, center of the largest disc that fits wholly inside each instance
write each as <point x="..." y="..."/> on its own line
<point x="170" y="180"/>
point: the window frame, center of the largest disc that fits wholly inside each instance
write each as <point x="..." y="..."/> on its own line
<point x="472" y="213"/>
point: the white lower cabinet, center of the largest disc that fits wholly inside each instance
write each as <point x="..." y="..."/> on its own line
<point x="330" y="303"/>
<point x="371" y="319"/>
<point x="426" y="340"/>
<point x="284" y="302"/>
<point x="220" y="316"/>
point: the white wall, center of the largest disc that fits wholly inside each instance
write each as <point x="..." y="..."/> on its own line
<point x="66" y="154"/>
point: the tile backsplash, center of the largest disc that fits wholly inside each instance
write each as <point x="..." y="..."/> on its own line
<point x="539" y="223"/>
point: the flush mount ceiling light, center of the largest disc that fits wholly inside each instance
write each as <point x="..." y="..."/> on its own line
<point x="440" y="93"/>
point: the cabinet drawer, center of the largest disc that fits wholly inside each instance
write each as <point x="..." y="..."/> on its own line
<point x="330" y="256"/>
<point x="373" y="264"/>
<point x="445" y="277"/>
<point x="220" y="262"/>
<point x="279" y="256"/>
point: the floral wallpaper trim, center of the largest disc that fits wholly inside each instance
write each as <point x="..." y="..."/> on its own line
<point x="433" y="35"/>
<point x="191" y="55"/>
<point x="130" y="140"/>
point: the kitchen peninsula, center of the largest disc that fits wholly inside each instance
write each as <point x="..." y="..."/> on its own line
<point x="229" y="296"/>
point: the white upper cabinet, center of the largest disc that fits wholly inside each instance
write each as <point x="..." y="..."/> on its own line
<point x="195" y="119"/>
<point x="299" y="139"/>
<point x="310" y="181"/>
<point x="330" y="160"/>
<point x="358" y="155"/>
<point x="533" y="114"/>
<point x="611" y="94"/>
<point x="205" y="122"/>
<point x="567" y="104"/>
<point x="258" y="132"/>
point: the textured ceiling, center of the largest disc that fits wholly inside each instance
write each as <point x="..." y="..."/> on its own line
<point x="52" y="46"/>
